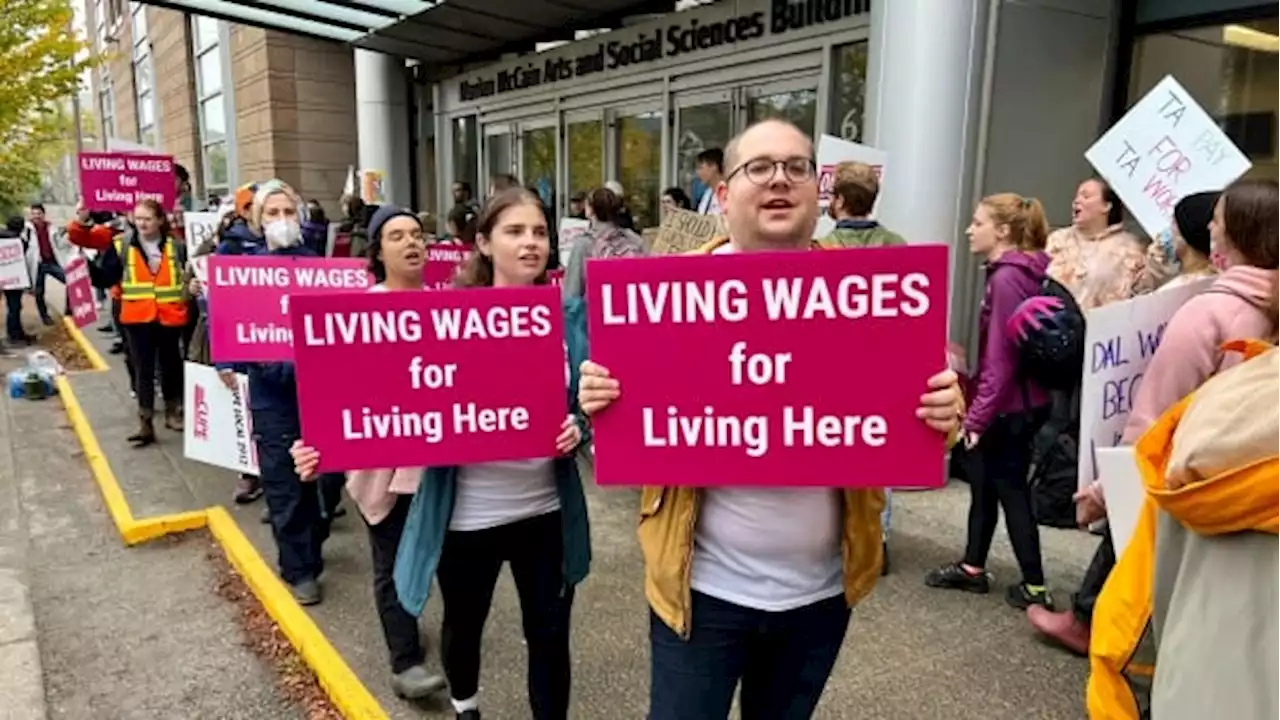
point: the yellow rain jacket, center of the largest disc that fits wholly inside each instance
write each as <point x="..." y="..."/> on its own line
<point x="1187" y="624"/>
<point x="669" y="517"/>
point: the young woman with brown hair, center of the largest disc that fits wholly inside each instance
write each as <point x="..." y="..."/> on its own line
<point x="1009" y="232"/>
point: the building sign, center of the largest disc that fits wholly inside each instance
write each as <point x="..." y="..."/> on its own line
<point x="660" y="41"/>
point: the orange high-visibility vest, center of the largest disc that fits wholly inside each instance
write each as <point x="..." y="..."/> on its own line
<point x="147" y="297"/>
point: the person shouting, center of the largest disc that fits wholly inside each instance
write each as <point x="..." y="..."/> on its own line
<point x="397" y="257"/>
<point x="755" y="585"/>
<point x="466" y="522"/>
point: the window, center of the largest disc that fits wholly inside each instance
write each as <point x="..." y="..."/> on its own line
<point x="217" y="111"/>
<point x="466" y="153"/>
<point x="144" y="78"/>
<point x="848" y="97"/>
<point x="107" y="104"/>
<point x="1230" y="70"/>
<point x="100" y="23"/>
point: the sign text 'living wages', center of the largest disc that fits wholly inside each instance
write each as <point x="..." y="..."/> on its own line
<point x="435" y="379"/>
<point x="804" y="365"/>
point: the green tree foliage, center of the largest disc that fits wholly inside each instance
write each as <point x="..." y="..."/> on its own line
<point x="41" y="61"/>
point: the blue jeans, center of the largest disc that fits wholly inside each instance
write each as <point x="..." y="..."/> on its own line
<point x="783" y="660"/>
<point x="300" y="512"/>
<point x="44" y="270"/>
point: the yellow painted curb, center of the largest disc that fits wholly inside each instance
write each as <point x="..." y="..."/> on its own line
<point x="90" y="352"/>
<point x="336" y="677"/>
<point x="345" y="690"/>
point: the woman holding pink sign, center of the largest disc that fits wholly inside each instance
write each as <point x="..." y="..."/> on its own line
<point x="464" y="523"/>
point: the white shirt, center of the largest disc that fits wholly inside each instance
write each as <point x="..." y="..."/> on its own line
<point x="771" y="549"/>
<point x="709" y="204"/>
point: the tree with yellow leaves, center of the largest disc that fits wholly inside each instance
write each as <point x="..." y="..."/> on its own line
<point x="41" y="61"/>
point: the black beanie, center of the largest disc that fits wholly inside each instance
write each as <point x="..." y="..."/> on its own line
<point x="1192" y="214"/>
<point x="385" y="213"/>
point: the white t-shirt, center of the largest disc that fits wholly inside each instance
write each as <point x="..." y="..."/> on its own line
<point x="709" y="204"/>
<point x="771" y="549"/>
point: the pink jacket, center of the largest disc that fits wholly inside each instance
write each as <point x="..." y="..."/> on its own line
<point x="375" y="491"/>
<point x="1190" y="352"/>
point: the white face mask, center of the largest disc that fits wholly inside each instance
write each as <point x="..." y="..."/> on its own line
<point x="282" y="233"/>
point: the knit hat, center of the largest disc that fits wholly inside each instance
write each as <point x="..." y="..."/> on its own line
<point x="385" y="213"/>
<point x="1192" y="215"/>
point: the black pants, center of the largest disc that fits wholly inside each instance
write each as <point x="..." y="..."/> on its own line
<point x="128" y="353"/>
<point x="783" y="660"/>
<point x="300" y="512"/>
<point x="468" y="572"/>
<point x="151" y="344"/>
<point x="44" y="270"/>
<point x="1091" y="586"/>
<point x="13" y="316"/>
<point x="398" y="626"/>
<point x="999" y="479"/>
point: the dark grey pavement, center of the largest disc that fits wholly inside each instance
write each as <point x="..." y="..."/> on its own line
<point x="121" y="633"/>
<point x="910" y="653"/>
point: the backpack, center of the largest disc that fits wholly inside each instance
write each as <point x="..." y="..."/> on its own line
<point x="1048" y="330"/>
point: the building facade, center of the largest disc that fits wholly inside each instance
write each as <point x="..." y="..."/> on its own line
<point x="232" y="103"/>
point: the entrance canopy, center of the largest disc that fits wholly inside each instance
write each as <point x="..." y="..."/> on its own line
<point x="434" y="32"/>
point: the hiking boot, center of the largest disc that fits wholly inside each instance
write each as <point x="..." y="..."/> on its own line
<point x="173" y="418"/>
<point x="416" y="683"/>
<point x="116" y="348"/>
<point x="146" y="434"/>
<point x="955" y="577"/>
<point x="307" y="592"/>
<point x="1064" y="628"/>
<point x="248" y="489"/>
<point x="1023" y="596"/>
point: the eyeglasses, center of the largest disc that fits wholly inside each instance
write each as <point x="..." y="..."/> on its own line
<point x="763" y="170"/>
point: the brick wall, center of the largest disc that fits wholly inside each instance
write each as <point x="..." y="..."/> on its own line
<point x="169" y="31"/>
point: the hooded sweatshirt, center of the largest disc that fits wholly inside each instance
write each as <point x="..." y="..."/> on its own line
<point x="997" y="389"/>
<point x="1190" y="350"/>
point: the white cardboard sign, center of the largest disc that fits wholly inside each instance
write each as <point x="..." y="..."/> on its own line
<point x="1165" y="148"/>
<point x="198" y="227"/>
<point x="831" y="152"/>
<point x="13" y="265"/>
<point x="1120" y="340"/>
<point x="1124" y="493"/>
<point x="218" y="426"/>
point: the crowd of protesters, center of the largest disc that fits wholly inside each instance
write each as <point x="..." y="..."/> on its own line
<point x="1201" y="571"/>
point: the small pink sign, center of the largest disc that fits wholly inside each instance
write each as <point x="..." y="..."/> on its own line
<point x="409" y="379"/>
<point x="442" y="264"/>
<point x="556" y="277"/>
<point x="80" y="302"/>
<point x="770" y="369"/>
<point x="117" y="182"/>
<point x="249" y="300"/>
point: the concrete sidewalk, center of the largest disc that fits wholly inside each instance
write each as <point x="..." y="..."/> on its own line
<point x="911" y="652"/>
<point x="90" y="629"/>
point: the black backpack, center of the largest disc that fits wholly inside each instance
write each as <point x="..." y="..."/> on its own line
<point x="1048" y="329"/>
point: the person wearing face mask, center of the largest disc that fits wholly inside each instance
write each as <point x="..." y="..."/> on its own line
<point x="300" y="513"/>
<point x="754" y="586"/>
<point x="147" y="263"/>
<point x="397" y="257"/>
<point x="466" y="522"/>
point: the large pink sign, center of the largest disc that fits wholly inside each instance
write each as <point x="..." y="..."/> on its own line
<point x="770" y="369"/>
<point x="80" y="301"/>
<point x="408" y="379"/>
<point x="249" y="300"/>
<point x="117" y="182"/>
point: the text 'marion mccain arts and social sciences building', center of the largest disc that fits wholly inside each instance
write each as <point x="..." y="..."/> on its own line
<point x="966" y="97"/>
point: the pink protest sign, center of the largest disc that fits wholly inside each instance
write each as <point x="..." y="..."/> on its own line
<point x="556" y="277"/>
<point x="770" y="369"/>
<point x="442" y="265"/>
<point x="117" y="181"/>
<point x="249" y="300"/>
<point x="408" y="379"/>
<point x="80" y="302"/>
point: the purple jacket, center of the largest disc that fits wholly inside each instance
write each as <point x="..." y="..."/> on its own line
<point x="996" y="388"/>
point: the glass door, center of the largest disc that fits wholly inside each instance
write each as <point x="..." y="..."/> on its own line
<point x="538" y="158"/>
<point x="584" y="153"/>
<point x="703" y="121"/>
<point x="637" y="159"/>
<point x="499" y="155"/>
<point x="794" y="100"/>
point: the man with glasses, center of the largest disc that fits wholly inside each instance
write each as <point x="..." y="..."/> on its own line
<point x="756" y="584"/>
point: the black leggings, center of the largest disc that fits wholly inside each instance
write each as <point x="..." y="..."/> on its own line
<point x="468" y="572"/>
<point x="998" y="478"/>
<point x="399" y="627"/>
<point x="149" y="343"/>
